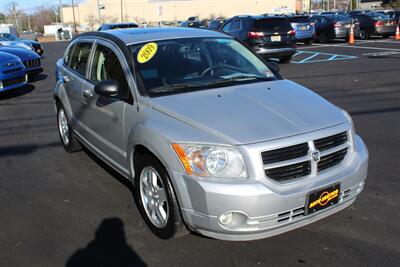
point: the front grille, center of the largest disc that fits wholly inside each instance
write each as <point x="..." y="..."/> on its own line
<point x="331" y="160"/>
<point x="32" y="63"/>
<point x="289" y="172"/>
<point x="330" y="141"/>
<point x="292" y="162"/>
<point x="11" y="71"/>
<point x="285" y="153"/>
<point x="10" y="82"/>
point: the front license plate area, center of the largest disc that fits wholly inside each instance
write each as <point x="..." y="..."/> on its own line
<point x="322" y="198"/>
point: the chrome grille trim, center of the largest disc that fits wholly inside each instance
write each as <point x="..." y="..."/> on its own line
<point x="297" y="161"/>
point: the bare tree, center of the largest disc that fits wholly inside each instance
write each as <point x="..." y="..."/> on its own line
<point x="91" y="21"/>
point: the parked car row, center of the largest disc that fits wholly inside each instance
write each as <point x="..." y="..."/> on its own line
<point x="17" y="66"/>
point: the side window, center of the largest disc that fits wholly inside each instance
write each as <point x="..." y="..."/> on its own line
<point x="236" y="25"/>
<point x="79" y="57"/>
<point x="67" y="55"/>
<point x="106" y="66"/>
<point x="226" y="27"/>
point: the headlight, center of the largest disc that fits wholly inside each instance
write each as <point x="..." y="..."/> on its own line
<point x="211" y="161"/>
<point x="352" y="130"/>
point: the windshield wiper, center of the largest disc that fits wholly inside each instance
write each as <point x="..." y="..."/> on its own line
<point x="182" y="86"/>
<point x="173" y="88"/>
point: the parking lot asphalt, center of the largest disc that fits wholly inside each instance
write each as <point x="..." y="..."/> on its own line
<point x="60" y="209"/>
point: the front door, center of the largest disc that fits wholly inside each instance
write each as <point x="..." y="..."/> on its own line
<point x="103" y="116"/>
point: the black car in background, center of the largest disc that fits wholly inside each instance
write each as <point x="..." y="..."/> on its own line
<point x="333" y="26"/>
<point x="215" y="24"/>
<point x="373" y="23"/>
<point x="193" y="24"/>
<point x="114" y="26"/>
<point x="268" y="36"/>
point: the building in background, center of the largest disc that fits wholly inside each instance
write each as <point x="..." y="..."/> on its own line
<point x="88" y="14"/>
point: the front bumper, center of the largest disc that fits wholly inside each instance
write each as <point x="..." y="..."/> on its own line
<point x="33" y="71"/>
<point x="261" y="212"/>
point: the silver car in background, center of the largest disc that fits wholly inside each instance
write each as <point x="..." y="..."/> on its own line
<point x="212" y="137"/>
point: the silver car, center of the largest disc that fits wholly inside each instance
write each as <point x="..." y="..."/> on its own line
<point x="212" y="137"/>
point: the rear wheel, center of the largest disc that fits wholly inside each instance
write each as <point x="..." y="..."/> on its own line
<point x="156" y="198"/>
<point x="323" y="38"/>
<point x="364" y="35"/>
<point x="308" y="42"/>
<point x="68" y="139"/>
<point x="285" y="59"/>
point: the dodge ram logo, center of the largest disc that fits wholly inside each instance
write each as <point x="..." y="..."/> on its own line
<point x="316" y="156"/>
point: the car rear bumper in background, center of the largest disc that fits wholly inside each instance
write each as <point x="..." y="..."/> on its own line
<point x="342" y="33"/>
<point x="385" y="30"/>
<point x="259" y="212"/>
<point x="275" y="52"/>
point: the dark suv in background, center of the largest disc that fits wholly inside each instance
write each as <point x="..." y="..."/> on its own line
<point x="333" y="26"/>
<point x="268" y="36"/>
<point x="375" y="24"/>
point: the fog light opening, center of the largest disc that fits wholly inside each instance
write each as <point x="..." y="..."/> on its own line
<point x="226" y="218"/>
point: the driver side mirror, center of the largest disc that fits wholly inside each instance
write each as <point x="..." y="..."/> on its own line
<point x="107" y="88"/>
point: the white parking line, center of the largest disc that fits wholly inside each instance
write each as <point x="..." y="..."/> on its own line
<point x="350" y="46"/>
<point x="385" y="53"/>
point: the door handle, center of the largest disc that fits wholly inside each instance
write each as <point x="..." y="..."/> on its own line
<point x="65" y="79"/>
<point x="87" y="94"/>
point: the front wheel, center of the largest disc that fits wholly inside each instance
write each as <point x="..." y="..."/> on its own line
<point x="156" y="198"/>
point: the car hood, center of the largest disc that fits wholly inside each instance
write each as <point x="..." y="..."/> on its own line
<point x="22" y="53"/>
<point x="252" y="113"/>
<point x="7" y="57"/>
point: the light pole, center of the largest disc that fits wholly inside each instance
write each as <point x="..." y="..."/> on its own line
<point x="122" y="18"/>
<point x="73" y="15"/>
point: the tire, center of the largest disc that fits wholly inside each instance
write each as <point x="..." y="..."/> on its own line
<point x="364" y="35"/>
<point x="385" y="35"/>
<point x="308" y="42"/>
<point x="285" y="59"/>
<point x="67" y="137"/>
<point x="172" y="225"/>
<point x="323" y="38"/>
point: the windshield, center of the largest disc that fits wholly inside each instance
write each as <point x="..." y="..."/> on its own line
<point x="180" y="65"/>
<point x="378" y="16"/>
<point x="9" y="37"/>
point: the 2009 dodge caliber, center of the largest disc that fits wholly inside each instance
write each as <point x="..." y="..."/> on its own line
<point x="212" y="137"/>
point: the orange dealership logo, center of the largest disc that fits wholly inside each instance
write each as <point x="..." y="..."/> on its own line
<point x="324" y="198"/>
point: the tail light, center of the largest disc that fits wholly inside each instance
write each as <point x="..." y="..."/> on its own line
<point x="255" y="34"/>
<point x="291" y="32"/>
<point x="379" y="23"/>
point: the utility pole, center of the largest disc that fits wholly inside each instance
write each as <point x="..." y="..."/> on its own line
<point x="61" y="13"/>
<point x="122" y="18"/>
<point x="73" y="15"/>
<point x="98" y="12"/>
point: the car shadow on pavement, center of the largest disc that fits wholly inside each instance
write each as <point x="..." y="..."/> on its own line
<point x="109" y="248"/>
<point x="17" y="92"/>
<point x="38" y="77"/>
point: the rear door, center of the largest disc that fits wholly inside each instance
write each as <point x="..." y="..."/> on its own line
<point x="73" y="74"/>
<point x="103" y="118"/>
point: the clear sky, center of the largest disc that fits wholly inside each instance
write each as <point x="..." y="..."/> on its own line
<point x="30" y="5"/>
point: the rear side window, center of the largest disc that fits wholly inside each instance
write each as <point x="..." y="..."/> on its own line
<point x="236" y="25"/>
<point x="79" y="57"/>
<point x="272" y="24"/>
<point x="299" y="19"/>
